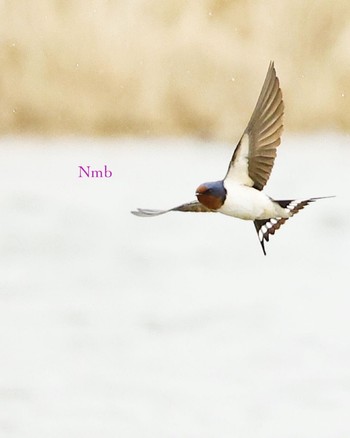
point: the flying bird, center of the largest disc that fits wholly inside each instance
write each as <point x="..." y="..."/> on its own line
<point x="240" y="193"/>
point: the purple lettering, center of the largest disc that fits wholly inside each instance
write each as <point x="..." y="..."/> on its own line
<point x="108" y="173"/>
<point x="96" y="173"/>
<point x="86" y="173"/>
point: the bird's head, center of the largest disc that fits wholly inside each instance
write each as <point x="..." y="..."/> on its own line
<point x="211" y="194"/>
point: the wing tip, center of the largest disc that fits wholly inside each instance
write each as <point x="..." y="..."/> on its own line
<point x="143" y="212"/>
<point x="137" y="212"/>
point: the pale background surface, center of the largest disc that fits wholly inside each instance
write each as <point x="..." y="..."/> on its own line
<point x="176" y="326"/>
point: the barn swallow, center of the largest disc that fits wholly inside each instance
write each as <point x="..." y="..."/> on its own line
<point x="240" y="193"/>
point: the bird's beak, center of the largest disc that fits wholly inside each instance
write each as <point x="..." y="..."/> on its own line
<point x="201" y="189"/>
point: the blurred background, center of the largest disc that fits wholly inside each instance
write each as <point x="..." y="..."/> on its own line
<point x="152" y="67"/>
<point x="177" y="326"/>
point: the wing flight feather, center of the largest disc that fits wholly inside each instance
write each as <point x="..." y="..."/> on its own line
<point x="194" y="207"/>
<point x="254" y="156"/>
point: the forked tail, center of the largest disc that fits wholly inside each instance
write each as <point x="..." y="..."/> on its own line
<point x="267" y="227"/>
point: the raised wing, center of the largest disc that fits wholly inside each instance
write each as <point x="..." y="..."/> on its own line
<point x="254" y="156"/>
<point x="194" y="207"/>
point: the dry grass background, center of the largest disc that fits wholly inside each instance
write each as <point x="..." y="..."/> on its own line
<point x="157" y="67"/>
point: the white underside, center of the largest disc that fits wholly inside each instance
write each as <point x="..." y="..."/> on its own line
<point x="248" y="203"/>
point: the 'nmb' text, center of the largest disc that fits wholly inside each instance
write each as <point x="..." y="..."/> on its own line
<point x="86" y="171"/>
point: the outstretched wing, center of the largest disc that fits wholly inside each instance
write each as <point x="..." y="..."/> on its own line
<point x="254" y="156"/>
<point x="194" y="207"/>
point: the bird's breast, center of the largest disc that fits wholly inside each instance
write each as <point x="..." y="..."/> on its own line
<point x="247" y="203"/>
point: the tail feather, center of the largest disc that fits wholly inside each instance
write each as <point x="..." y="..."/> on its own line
<point x="267" y="227"/>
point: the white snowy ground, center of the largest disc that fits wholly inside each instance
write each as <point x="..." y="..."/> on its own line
<point x="176" y="326"/>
